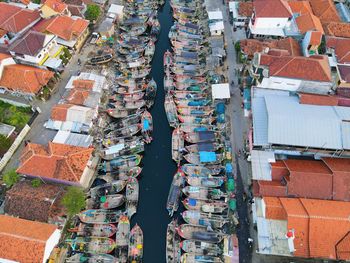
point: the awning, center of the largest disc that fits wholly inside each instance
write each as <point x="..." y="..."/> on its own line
<point x="53" y="63"/>
<point x="220" y="91"/>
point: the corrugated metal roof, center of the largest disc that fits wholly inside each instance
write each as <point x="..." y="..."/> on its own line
<point x="74" y="139"/>
<point x="261" y="168"/>
<point x="260" y="123"/>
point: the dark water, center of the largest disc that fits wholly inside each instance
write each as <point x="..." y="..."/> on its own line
<point x="158" y="167"/>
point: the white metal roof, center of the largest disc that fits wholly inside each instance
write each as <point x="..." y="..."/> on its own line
<point x="261" y="168"/>
<point x="282" y="120"/>
<point x="216" y="26"/>
<point x="66" y="137"/>
<point x="53" y="63"/>
<point x="116" y="9"/>
<point x="220" y="91"/>
<point x="215" y="15"/>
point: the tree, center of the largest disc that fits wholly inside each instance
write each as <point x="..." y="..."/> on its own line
<point x="5" y="144"/>
<point x="10" y="178"/>
<point x="238" y="46"/>
<point x="36" y="182"/>
<point x="92" y="12"/>
<point x="74" y="200"/>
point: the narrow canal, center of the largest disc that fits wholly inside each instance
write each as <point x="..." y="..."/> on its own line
<point x="158" y="167"/>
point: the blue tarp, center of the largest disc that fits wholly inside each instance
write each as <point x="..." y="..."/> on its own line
<point x="206" y="157"/>
<point x="220" y="108"/>
<point x="200" y="129"/>
<point x="206" y="135"/>
<point x="145" y="125"/>
<point x="228" y="168"/>
<point x="192" y="202"/>
<point x="205" y="146"/>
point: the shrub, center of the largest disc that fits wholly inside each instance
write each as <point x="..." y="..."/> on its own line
<point x="92" y="12"/>
<point x="10" y="178"/>
<point x="74" y="200"/>
<point x="36" y="182"/>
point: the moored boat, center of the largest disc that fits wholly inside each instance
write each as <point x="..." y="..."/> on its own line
<point x="204" y="157"/>
<point x="171" y="112"/>
<point x="95" y="230"/>
<point x="210" y="220"/>
<point x="198" y="170"/>
<point x="105" y="201"/>
<point x="132" y="196"/>
<point x="204" y="146"/>
<point x="205" y="181"/>
<point x="99" y="216"/>
<point x="147" y="126"/>
<point x="173" y="250"/>
<point x="135" y="253"/>
<point x="206" y="206"/>
<point x="94" y="245"/>
<point x="193" y="258"/>
<point x="122" y="174"/>
<point x="203" y="193"/>
<point x="151" y="92"/>
<point x="91" y="258"/>
<point x="177" y="145"/>
<point x="120" y="162"/>
<point x="199" y="233"/>
<point x="175" y="192"/>
<point x="107" y="188"/>
<point x="122" y="239"/>
<point x="200" y="248"/>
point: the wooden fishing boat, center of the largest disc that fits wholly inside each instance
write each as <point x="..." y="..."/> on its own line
<point x="205" y="181"/>
<point x="171" y="112"/>
<point x="192" y="102"/>
<point x="204" y="146"/>
<point x="101" y="59"/>
<point x="189" y="127"/>
<point x="91" y="258"/>
<point x="177" y="145"/>
<point x="132" y="196"/>
<point x="147" y="126"/>
<point x="175" y="192"/>
<point x="199" y="233"/>
<point x="99" y="216"/>
<point x="130" y="83"/>
<point x="105" y="201"/>
<point x="95" y="230"/>
<point x="167" y="59"/>
<point x="190" y="119"/>
<point x="200" y="248"/>
<point x="206" y="206"/>
<point x="151" y="92"/>
<point x="133" y="140"/>
<point x="127" y="97"/>
<point x="121" y="123"/>
<point x="197" y="218"/>
<point x="122" y="174"/>
<point x="129" y="130"/>
<point x="185" y="94"/>
<point x="121" y="113"/>
<point x="198" y="170"/>
<point x="107" y="188"/>
<point x="202" y="136"/>
<point x="203" y="193"/>
<point x="117" y="150"/>
<point x="120" y="162"/>
<point x="93" y="245"/>
<point x="168" y="82"/>
<point x="173" y="251"/>
<point x="204" y="158"/>
<point x="122" y="239"/>
<point x="155" y="29"/>
<point x="136" y="245"/>
<point x="129" y="105"/>
<point x="193" y="258"/>
<point x="150" y="49"/>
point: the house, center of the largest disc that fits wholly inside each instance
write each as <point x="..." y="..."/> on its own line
<point x="58" y="163"/>
<point x="272" y="18"/>
<point x="37" y="49"/>
<point x="74" y="139"/>
<point x="76" y="7"/>
<point x="338" y="48"/>
<point x="70" y="32"/>
<point x="328" y="179"/>
<point x="15" y="21"/>
<point x="70" y="117"/>
<point x="343" y="11"/>
<point x="304" y="228"/>
<point x="26" y="241"/>
<point x="302" y="74"/>
<point x="216" y="23"/>
<point x="281" y="123"/>
<point x="325" y="10"/>
<point x="304" y="17"/>
<point x="106" y="28"/>
<point x="115" y="12"/>
<point x="41" y="203"/>
<point x="311" y="42"/>
<point x="287" y="46"/>
<point x="241" y="12"/>
<point x="53" y="8"/>
<point x="343" y="88"/>
<point x="22" y="79"/>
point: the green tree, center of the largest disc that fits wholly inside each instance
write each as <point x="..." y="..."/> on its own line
<point x="238" y="46"/>
<point x="92" y="12"/>
<point x="10" y="178"/>
<point x="5" y="143"/>
<point x="36" y="182"/>
<point x="74" y="200"/>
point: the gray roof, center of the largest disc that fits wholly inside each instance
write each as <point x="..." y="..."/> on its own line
<point x="282" y="120"/>
<point x="261" y="164"/>
<point x="74" y="139"/>
<point x="6" y="129"/>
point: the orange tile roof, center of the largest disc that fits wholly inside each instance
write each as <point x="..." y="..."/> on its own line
<point x="245" y="9"/>
<point x="83" y="84"/>
<point x="14" y="19"/>
<point x="318" y="99"/>
<point x="338" y="164"/>
<point x="274" y="209"/>
<point x="65" y="27"/>
<point x="2" y="32"/>
<point x="337" y="29"/>
<point x="341" y="48"/>
<point x="306" y="166"/>
<point x="325" y="10"/>
<point x="272" y="8"/>
<point x="314" y="68"/>
<point x="316" y="38"/>
<point x="77" y="96"/>
<point x="23" y="240"/>
<point x="24" y="78"/>
<point x="59" y="162"/>
<point x="56" y="5"/>
<point x="308" y="22"/>
<point x="4" y="56"/>
<point x="59" y="112"/>
<point x="300" y="7"/>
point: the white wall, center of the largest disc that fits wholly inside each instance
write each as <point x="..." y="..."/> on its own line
<point x="268" y="26"/>
<point x="51" y="243"/>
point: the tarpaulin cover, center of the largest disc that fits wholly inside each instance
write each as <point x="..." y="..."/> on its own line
<point x="192" y="202"/>
<point x="206" y="135"/>
<point x="228" y="168"/>
<point x="220" y="108"/>
<point x="145" y="125"/>
<point x="206" y="146"/>
<point x="232" y="204"/>
<point x="192" y="55"/>
<point x="190" y="67"/>
<point x="191" y="25"/>
<point x="206" y="157"/>
<point x="220" y="118"/>
<point x="199" y="129"/>
<point x="197" y="103"/>
<point x="231" y="185"/>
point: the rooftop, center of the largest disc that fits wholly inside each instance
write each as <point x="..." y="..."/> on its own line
<point x="56" y="5"/>
<point x="337" y="29"/>
<point x="30" y="44"/>
<point x="341" y="48"/>
<point x="272" y="8"/>
<point x="245" y="9"/>
<point x="325" y="10"/>
<point x="55" y="161"/>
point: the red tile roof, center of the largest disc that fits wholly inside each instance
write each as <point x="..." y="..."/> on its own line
<point x="274" y="209"/>
<point x="337" y="29"/>
<point x="272" y="8"/>
<point x="23" y="240"/>
<point x="14" y="19"/>
<point x="56" y="5"/>
<point x="308" y="22"/>
<point x="59" y="112"/>
<point x="24" y="78"/>
<point x="325" y="10"/>
<point x="306" y="166"/>
<point x="30" y="44"/>
<point x="316" y="38"/>
<point x="316" y="99"/>
<point x="65" y="27"/>
<point x="300" y="7"/>
<point x="4" y="56"/>
<point x="55" y="161"/>
<point x="314" y="68"/>
<point x="77" y="96"/>
<point x="341" y="48"/>
<point x="245" y="9"/>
